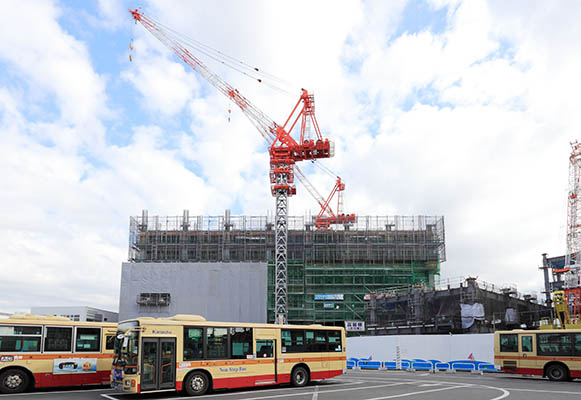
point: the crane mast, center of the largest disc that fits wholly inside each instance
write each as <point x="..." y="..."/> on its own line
<point x="284" y="150"/>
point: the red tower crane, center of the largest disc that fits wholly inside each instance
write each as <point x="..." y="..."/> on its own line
<point x="284" y="150"/>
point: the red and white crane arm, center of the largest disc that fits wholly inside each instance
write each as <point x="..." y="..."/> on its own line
<point x="265" y="125"/>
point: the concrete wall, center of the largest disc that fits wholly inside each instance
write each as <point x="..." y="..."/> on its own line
<point x="438" y="347"/>
<point x="234" y="292"/>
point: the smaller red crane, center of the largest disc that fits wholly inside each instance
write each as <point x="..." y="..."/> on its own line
<point x="326" y="216"/>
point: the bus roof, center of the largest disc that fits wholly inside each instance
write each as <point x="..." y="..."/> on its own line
<point x="531" y="331"/>
<point x="31" y="319"/>
<point x="191" y="319"/>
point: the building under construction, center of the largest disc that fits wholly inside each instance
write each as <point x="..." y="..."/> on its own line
<point x="329" y="271"/>
<point x="463" y="306"/>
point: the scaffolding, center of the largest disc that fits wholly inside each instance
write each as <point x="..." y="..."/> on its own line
<point x="345" y="263"/>
<point x="417" y="309"/>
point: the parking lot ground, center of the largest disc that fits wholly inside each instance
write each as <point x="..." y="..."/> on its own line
<point x="365" y="385"/>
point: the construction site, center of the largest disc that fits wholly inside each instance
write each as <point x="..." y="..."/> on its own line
<point x="329" y="271"/>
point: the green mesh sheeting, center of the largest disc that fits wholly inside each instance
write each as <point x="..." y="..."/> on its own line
<point x="353" y="282"/>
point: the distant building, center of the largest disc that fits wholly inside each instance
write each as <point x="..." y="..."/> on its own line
<point x="468" y="306"/>
<point x="82" y="313"/>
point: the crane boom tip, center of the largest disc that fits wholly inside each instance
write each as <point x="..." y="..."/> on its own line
<point x="136" y="14"/>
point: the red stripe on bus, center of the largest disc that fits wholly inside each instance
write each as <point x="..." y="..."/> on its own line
<point x="51" y="380"/>
<point x="537" y="371"/>
<point x="258" y="380"/>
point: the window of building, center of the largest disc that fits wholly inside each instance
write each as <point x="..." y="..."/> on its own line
<point x="527" y="343"/>
<point x="193" y="343"/>
<point x="14" y="338"/>
<point x="554" y="344"/>
<point x="217" y="342"/>
<point x="58" y="339"/>
<point x="241" y="342"/>
<point x="88" y="339"/>
<point x="509" y="343"/>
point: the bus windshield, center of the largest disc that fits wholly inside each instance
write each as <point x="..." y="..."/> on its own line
<point x="127" y="344"/>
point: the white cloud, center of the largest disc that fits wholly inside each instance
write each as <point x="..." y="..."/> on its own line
<point x="59" y="67"/>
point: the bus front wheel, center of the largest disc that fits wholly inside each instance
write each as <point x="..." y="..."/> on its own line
<point x="197" y="383"/>
<point x="557" y="372"/>
<point x="299" y="377"/>
<point x="13" y="381"/>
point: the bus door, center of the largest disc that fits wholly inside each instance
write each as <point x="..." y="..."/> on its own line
<point x="526" y="351"/>
<point x="267" y="361"/>
<point x="158" y="364"/>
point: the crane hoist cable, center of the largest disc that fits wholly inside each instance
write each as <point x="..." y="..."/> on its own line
<point x="239" y="66"/>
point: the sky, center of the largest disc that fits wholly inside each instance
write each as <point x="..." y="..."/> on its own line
<point x="464" y="109"/>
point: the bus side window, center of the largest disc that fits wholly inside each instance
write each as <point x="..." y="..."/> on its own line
<point x="577" y="350"/>
<point x="509" y="342"/>
<point x="110" y="342"/>
<point x="527" y="344"/>
<point x="193" y="343"/>
<point x="264" y="348"/>
<point x="241" y="342"/>
<point x="58" y="338"/>
<point x="334" y="343"/>
<point x="88" y="339"/>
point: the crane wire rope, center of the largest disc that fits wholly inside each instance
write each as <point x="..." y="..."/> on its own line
<point x="239" y="66"/>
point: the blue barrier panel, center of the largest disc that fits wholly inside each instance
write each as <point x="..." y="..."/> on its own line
<point x="421" y="366"/>
<point x="351" y="364"/>
<point x="405" y="364"/>
<point x="486" y="367"/>
<point x="442" y="366"/>
<point x="462" y="366"/>
<point x="434" y="362"/>
<point x="391" y="365"/>
<point x="370" y="364"/>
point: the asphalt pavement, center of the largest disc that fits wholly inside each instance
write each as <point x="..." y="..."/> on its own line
<point x="364" y="385"/>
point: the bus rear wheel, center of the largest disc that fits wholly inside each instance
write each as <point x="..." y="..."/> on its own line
<point x="299" y="377"/>
<point x="13" y="381"/>
<point x="197" y="383"/>
<point x="557" y="372"/>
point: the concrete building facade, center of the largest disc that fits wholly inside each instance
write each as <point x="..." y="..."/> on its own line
<point x="218" y="291"/>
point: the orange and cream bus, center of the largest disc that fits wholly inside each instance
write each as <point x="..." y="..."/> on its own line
<point x="186" y="352"/>
<point x="43" y="351"/>
<point x="554" y="353"/>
